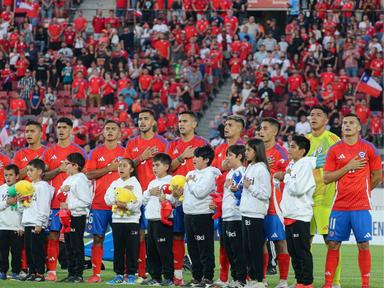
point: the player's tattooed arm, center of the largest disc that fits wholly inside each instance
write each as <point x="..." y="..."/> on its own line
<point x="49" y="175"/>
<point x="376" y="177"/>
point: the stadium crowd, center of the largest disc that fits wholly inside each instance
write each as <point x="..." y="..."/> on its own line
<point x="157" y="61"/>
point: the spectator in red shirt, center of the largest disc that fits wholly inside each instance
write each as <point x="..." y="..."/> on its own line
<point x="109" y="89"/>
<point x="17" y="106"/>
<point x="79" y="90"/>
<point x="98" y="22"/>
<point x="21" y="66"/>
<point x="112" y="20"/>
<point x="80" y="22"/>
<point x="294" y="81"/>
<point x="69" y="36"/>
<point x="95" y="89"/>
<point x="18" y="140"/>
<point x="145" y="85"/>
<point x="7" y="15"/>
<point x="55" y="30"/>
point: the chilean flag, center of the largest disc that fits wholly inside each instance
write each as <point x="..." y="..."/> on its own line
<point x="369" y="86"/>
<point x="22" y="6"/>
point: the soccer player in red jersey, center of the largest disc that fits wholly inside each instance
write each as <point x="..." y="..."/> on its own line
<point x="355" y="165"/>
<point x="54" y="158"/>
<point x="232" y="133"/>
<point x="4" y="161"/>
<point x="102" y="168"/>
<point x="33" y="134"/>
<point x="181" y="150"/>
<point x="141" y="150"/>
<point x="273" y="223"/>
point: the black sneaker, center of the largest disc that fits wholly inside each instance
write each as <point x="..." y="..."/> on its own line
<point x="78" y="279"/>
<point x="68" y="279"/>
<point x="30" y="277"/>
<point x="151" y="282"/>
<point x="39" y="278"/>
<point x="166" y="282"/>
<point x="271" y="271"/>
<point x="192" y="283"/>
<point x="205" y="283"/>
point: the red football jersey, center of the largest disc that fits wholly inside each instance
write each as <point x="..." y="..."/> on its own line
<point x="4" y="160"/>
<point x="23" y="156"/>
<point x="136" y="147"/>
<point x="100" y="157"/>
<point x="353" y="191"/>
<point x="278" y="160"/>
<point x="178" y="146"/>
<point x="220" y="156"/>
<point x="53" y="157"/>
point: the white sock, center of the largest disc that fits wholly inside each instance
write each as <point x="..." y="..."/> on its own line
<point x="179" y="274"/>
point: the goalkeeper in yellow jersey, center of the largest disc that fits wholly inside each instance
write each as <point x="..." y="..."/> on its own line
<point x="321" y="140"/>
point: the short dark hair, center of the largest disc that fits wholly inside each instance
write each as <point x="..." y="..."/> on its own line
<point x="34" y="123"/>
<point x="302" y="142"/>
<point x="111" y="121"/>
<point x="13" y="167"/>
<point x="77" y="158"/>
<point x="323" y="108"/>
<point x="38" y="164"/>
<point x="163" y="158"/>
<point x="190" y="113"/>
<point x="237" y="150"/>
<point x="153" y="114"/>
<point x="205" y="152"/>
<point x="273" y="121"/>
<point x="65" y="120"/>
<point x="353" y="115"/>
<point x="237" y="119"/>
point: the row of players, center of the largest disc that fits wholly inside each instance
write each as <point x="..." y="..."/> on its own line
<point x="190" y="156"/>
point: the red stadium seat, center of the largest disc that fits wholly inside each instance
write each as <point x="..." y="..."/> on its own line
<point x="3" y="95"/>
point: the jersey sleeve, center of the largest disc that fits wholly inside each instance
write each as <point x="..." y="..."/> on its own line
<point x="374" y="159"/>
<point x="128" y="150"/>
<point x="215" y="162"/>
<point x="17" y="159"/>
<point x="46" y="156"/>
<point x="91" y="162"/>
<point x="330" y="162"/>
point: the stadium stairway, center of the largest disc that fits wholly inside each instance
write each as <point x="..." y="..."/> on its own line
<point x="203" y="129"/>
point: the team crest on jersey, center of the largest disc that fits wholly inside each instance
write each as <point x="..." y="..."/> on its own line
<point x="361" y="154"/>
<point x="319" y="150"/>
<point x="220" y="155"/>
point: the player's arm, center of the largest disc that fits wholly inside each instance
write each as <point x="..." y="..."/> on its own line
<point x="49" y="175"/>
<point x="332" y="176"/>
<point x="187" y="153"/>
<point x="376" y="177"/>
<point x="97" y="173"/>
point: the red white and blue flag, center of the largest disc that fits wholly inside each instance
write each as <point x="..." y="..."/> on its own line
<point x="369" y="86"/>
<point x="22" y="6"/>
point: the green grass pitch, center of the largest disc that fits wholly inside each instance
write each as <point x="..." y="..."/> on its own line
<point x="350" y="276"/>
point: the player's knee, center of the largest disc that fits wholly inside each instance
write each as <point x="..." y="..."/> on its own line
<point x="281" y="247"/>
<point x="98" y="240"/>
<point x="333" y="245"/>
<point x="53" y="235"/>
<point x="142" y="235"/>
<point x="178" y="236"/>
<point x="363" y="246"/>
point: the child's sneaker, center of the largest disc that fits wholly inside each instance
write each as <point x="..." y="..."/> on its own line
<point x="131" y="280"/>
<point x="3" y="276"/>
<point x="119" y="279"/>
<point x="282" y="284"/>
<point x="94" y="279"/>
<point x="39" y="278"/>
<point x="15" y="276"/>
<point x="151" y="282"/>
<point x="51" y="276"/>
<point x="166" y="282"/>
<point x="30" y="277"/>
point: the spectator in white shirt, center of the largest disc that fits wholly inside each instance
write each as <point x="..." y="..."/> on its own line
<point x="303" y="127"/>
